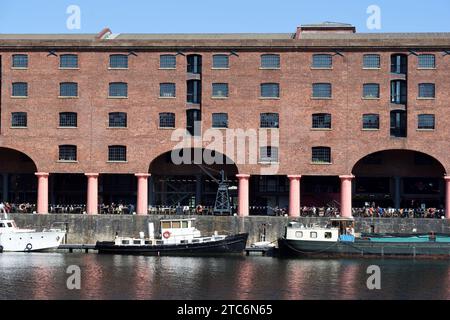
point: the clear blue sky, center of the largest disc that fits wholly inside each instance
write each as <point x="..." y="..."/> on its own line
<point x="206" y="16"/>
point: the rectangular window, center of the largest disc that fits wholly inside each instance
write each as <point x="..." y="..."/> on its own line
<point x="220" y="120"/>
<point x="167" y="61"/>
<point x="399" y="93"/>
<point x="427" y="90"/>
<point x="321" y="121"/>
<point x="67" y="153"/>
<point x="194" y="91"/>
<point x="268" y="154"/>
<point x="321" y="155"/>
<point x="117" y="153"/>
<point x="270" y="61"/>
<point x="322" y="61"/>
<point x="20" y="61"/>
<point x="20" y="89"/>
<point x="68" y="89"/>
<point x="270" y="90"/>
<point x="69" y="61"/>
<point x="371" y="91"/>
<point x="19" y="120"/>
<point x="118" y="89"/>
<point x="220" y="90"/>
<point x="167" y="90"/>
<point x="322" y="90"/>
<point x="371" y="121"/>
<point x="427" y="61"/>
<point x="269" y="120"/>
<point x="167" y="120"/>
<point x="399" y="63"/>
<point x="220" y="61"/>
<point x="118" y="61"/>
<point x="67" y="119"/>
<point x="117" y="120"/>
<point x="371" y="61"/>
<point x="194" y="64"/>
<point x="426" y="121"/>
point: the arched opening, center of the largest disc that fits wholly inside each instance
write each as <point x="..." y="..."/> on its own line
<point x="399" y="179"/>
<point x="183" y="178"/>
<point x="18" y="181"/>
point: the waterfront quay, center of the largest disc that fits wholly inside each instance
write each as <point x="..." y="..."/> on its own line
<point x="87" y="229"/>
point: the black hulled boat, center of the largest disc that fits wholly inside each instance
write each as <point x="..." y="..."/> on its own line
<point x="178" y="237"/>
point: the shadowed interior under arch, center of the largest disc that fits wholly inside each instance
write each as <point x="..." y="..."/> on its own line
<point x="399" y="179"/>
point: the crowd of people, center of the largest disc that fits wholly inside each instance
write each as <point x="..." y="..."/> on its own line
<point x="6" y="207"/>
<point x="371" y="211"/>
<point x="378" y="212"/>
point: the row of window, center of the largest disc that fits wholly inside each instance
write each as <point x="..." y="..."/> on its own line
<point x="115" y="153"/>
<point x="220" y="90"/>
<point x="220" y="120"/>
<point x="118" y="153"/>
<point x="70" y="120"/>
<point x="221" y="61"/>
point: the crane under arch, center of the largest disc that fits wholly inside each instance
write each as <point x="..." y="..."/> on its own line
<point x="222" y="204"/>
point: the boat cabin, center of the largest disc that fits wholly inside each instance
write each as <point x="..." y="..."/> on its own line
<point x="7" y="226"/>
<point x="173" y="231"/>
<point x="338" y="229"/>
<point x="178" y="231"/>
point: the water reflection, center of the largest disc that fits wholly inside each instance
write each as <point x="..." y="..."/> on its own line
<point x="43" y="276"/>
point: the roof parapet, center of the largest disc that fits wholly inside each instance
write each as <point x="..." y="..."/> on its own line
<point x="328" y="27"/>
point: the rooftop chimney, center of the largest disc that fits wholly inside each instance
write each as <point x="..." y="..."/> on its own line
<point x="104" y="34"/>
<point x="334" y="27"/>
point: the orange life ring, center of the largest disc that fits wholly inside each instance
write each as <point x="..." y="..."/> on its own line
<point x="166" y="235"/>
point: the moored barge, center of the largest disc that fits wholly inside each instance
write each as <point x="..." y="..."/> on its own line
<point x="338" y="239"/>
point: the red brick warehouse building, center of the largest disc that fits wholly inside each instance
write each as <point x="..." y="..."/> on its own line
<point x="360" y="117"/>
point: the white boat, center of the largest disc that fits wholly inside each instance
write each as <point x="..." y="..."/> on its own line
<point x="14" y="239"/>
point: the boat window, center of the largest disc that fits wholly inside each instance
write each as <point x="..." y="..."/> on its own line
<point x="159" y="242"/>
<point x="148" y="242"/>
<point x="165" y="224"/>
<point x="184" y="241"/>
<point x="313" y="235"/>
<point x="137" y="242"/>
<point x="328" y="235"/>
<point x="207" y="239"/>
<point x="125" y="242"/>
<point x="185" y="224"/>
<point x="2" y="225"/>
<point x="299" y="234"/>
<point x="176" y="224"/>
<point x="195" y="241"/>
<point x="9" y="224"/>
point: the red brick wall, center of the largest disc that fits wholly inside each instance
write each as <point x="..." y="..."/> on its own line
<point x="145" y="141"/>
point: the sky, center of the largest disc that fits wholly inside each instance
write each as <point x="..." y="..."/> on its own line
<point x="214" y="16"/>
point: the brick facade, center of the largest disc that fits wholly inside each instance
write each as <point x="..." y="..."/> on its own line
<point x="144" y="139"/>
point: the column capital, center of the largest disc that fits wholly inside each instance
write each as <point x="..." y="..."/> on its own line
<point x="294" y="177"/>
<point x="95" y="175"/>
<point x="243" y="176"/>
<point x="42" y="174"/>
<point x="348" y="177"/>
<point x="142" y="175"/>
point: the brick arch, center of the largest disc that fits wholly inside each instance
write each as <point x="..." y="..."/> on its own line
<point x="17" y="161"/>
<point x="228" y="162"/>
<point x="437" y="162"/>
